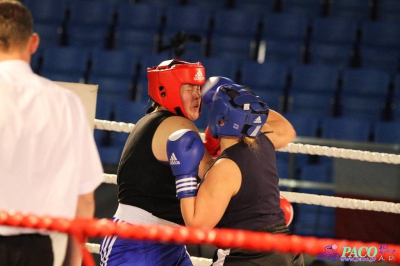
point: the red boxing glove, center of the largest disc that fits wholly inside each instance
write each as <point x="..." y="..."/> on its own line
<point x="212" y="144"/>
<point x="287" y="208"/>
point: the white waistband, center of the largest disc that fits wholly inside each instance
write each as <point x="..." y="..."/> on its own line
<point x="132" y="215"/>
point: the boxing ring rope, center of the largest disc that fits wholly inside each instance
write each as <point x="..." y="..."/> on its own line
<point x="80" y="228"/>
<point x="327" y="201"/>
<point x="291" y="147"/>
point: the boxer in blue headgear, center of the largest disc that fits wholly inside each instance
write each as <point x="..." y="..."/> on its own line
<point x="207" y="93"/>
<point x="236" y="112"/>
<point x="210" y="87"/>
<point x="240" y="190"/>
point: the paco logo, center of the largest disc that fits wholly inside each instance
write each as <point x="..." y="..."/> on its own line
<point x="357" y="254"/>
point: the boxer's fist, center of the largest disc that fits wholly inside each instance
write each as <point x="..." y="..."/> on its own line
<point x="185" y="150"/>
<point x="212" y="144"/>
<point x="210" y="87"/>
<point x="287" y="208"/>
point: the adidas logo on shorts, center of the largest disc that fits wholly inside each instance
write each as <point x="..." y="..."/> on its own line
<point x="199" y="75"/>
<point x="173" y="160"/>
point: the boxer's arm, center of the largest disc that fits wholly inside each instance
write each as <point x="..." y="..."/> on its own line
<point x="85" y="208"/>
<point x="282" y="131"/>
<point x="220" y="184"/>
<point x="165" y="129"/>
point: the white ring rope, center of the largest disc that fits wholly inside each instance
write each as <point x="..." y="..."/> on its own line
<point x="328" y="201"/>
<point x="291" y="147"/>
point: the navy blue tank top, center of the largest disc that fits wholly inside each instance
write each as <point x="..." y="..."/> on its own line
<point x="143" y="181"/>
<point x="257" y="203"/>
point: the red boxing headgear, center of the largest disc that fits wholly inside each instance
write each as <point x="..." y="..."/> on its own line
<point x="166" y="79"/>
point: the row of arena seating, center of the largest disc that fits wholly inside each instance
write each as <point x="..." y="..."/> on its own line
<point x="231" y="33"/>
<point x="358" y="9"/>
<point x="318" y="89"/>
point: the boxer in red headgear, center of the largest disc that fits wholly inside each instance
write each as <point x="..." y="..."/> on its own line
<point x="146" y="183"/>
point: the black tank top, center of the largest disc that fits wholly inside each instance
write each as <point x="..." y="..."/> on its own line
<point x="257" y="203"/>
<point x="143" y="181"/>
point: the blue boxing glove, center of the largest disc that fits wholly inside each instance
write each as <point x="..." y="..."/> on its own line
<point x="185" y="150"/>
<point x="210" y="87"/>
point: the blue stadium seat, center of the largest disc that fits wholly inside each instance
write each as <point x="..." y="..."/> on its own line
<point x="163" y="3"/>
<point x="191" y="19"/>
<point x="187" y="47"/>
<point x="306" y="125"/>
<point x="389" y="10"/>
<point x="314" y="220"/>
<point x="239" y="23"/>
<point x="318" y="105"/>
<point x="317" y="173"/>
<point x="113" y="88"/>
<point x="380" y="34"/>
<point x="95" y="13"/>
<point x="315" y="78"/>
<point x="64" y="77"/>
<point x="308" y="8"/>
<point x="278" y="50"/>
<point x="130" y="112"/>
<point x="346" y="128"/>
<point x="337" y="55"/>
<point x="387" y="132"/>
<point x="284" y="26"/>
<point x="371" y="109"/>
<point x="110" y="155"/>
<point x="334" y="30"/>
<point x="220" y="67"/>
<point x="396" y="86"/>
<point x="113" y="63"/>
<point x="104" y="108"/>
<point x="48" y="12"/>
<point x="138" y="41"/>
<point x="355" y="9"/>
<point x="36" y="60"/>
<point x="258" y="6"/>
<point x="210" y="5"/>
<point x="150" y="60"/>
<point x="88" y="36"/>
<point x="141" y="16"/>
<point x="365" y="83"/>
<point x="283" y="168"/>
<point x="50" y="34"/>
<point x="65" y="60"/>
<point x="141" y="91"/>
<point x="268" y="76"/>
<point x="274" y="99"/>
<point x="233" y="47"/>
<point x="380" y="59"/>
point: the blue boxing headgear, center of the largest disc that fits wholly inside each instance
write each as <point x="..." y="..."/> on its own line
<point x="210" y="87"/>
<point x="236" y="111"/>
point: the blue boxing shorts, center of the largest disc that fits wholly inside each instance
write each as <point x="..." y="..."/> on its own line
<point x="120" y="251"/>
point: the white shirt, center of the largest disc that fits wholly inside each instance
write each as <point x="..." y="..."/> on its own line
<point x="47" y="151"/>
